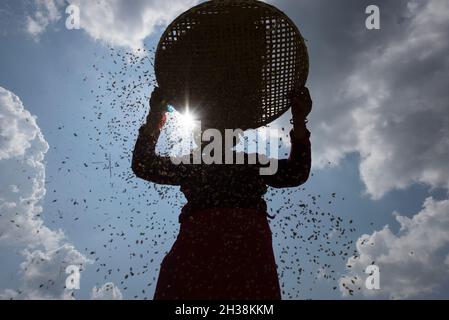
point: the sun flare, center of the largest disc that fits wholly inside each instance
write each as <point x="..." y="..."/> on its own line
<point x="187" y="120"/>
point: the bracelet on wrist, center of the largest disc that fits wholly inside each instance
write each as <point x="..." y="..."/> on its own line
<point x="305" y="121"/>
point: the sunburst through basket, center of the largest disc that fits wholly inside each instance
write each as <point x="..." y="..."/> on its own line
<point x="232" y="63"/>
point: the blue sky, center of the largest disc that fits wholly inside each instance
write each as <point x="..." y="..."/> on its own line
<point x="379" y="99"/>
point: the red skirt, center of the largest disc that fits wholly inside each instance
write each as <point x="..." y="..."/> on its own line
<point x="220" y="254"/>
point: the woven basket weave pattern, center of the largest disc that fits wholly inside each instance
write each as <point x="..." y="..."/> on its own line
<point x="235" y="61"/>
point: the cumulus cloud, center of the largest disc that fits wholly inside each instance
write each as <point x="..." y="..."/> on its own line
<point x="391" y="109"/>
<point x="115" y="22"/>
<point x="412" y="263"/>
<point x="403" y="128"/>
<point x="45" y="13"/>
<point x="43" y="273"/>
<point x="124" y="23"/>
<point x="391" y="106"/>
<point x="108" y="291"/>
<point x="22" y="173"/>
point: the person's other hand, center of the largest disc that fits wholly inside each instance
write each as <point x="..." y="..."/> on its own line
<point x="158" y="103"/>
<point x="301" y="105"/>
<point x="158" y="108"/>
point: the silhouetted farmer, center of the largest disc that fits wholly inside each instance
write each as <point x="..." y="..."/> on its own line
<point x="224" y="247"/>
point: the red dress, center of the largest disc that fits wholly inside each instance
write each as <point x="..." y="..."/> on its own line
<point x="220" y="254"/>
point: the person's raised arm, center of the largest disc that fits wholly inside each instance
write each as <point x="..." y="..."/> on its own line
<point x="295" y="170"/>
<point x="146" y="164"/>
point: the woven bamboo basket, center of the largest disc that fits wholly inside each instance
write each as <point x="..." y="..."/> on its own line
<point x="232" y="63"/>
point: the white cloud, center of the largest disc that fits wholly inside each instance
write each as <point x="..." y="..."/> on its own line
<point x="18" y="128"/>
<point x="392" y="108"/>
<point x="108" y="291"/>
<point x="394" y="115"/>
<point x="116" y="22"/>
<point x="412" y="263"/>
<point x="46" y="12"/>
<point x="125" y="23"/>
<point x="22" y="173"/>
<point x="43" y="272"/>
